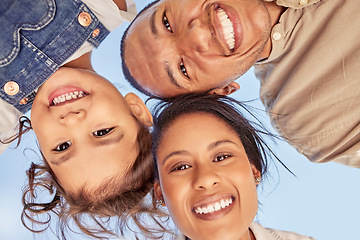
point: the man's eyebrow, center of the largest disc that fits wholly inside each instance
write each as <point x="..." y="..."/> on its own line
<point x="217" y="143"/>
<point x="171" y="76"/>
<point x="152" y="24"/>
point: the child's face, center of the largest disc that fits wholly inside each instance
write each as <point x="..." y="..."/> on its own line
<point x="203" y="165"/>
<point x="86" y="139"/>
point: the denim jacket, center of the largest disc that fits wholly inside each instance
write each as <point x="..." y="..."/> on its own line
<point x="37" y="37"/>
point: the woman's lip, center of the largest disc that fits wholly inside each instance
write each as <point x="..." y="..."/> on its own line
<point x="237" y="26"/>
<point x="63" y="90"/>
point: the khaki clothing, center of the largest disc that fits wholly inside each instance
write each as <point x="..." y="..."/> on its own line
<point x="262" y="233"/>
<point x="310" y="82"/>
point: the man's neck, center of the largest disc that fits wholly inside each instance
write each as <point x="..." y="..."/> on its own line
<point x="275" y="12"/>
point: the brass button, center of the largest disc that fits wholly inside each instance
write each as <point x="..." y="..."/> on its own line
<point x="11" y="88"/>
<point x="303" y="2"/>
<point x="24" y="101"/>
<point x="84" y="19"/>
<point x="96" y="33"/>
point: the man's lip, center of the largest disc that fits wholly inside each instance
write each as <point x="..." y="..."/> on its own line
<point x="63" y="90"/>
<point x="210" y="200"/>
<point x="237" y="26"/>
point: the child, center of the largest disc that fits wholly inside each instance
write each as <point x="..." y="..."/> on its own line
<point x="215" y="158"/>
<point x="95" y="143"/>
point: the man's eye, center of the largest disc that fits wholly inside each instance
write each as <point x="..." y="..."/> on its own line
<point x="166" y="23"/>
<point x="62" y="146"/>
<point x="183" y="69"/>
<point x="180" y="167"/>
<point x="102" y="132"/>
<point x="221" y="157"/>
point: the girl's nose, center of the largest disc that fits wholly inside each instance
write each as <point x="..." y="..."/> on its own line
<point x="206" y="178"/>
<point x="72" y="117"/>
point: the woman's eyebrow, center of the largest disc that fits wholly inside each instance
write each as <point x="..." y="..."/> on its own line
<point x="217" y="143"/>
<point x="180" y="152"/>
<point x="63" y="158"/>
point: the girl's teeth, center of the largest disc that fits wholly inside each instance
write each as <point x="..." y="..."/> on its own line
<point x="68" y="96"/>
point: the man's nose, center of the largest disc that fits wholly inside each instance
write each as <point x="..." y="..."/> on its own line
<point x="197" y="37"/>
<point x="72" y="117"/>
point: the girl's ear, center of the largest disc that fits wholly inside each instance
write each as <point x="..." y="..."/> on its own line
<point x="157" y="191"/>
<point x="256" y="173"/>
<point x="139" y="109"/>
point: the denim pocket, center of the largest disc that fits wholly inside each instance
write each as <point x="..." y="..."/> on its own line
<point x="17" y="15"/>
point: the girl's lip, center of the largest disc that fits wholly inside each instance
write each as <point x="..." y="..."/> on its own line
<point x="63" y="90"/>
<point x="237" y="26"/>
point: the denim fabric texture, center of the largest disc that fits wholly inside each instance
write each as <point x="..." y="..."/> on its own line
<point x="37" y="37"/>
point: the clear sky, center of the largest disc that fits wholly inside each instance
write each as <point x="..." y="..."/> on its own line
<point x="321" y="201"/>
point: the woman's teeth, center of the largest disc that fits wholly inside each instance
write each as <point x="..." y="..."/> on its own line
<point x="68" y="96"/>
<point x="213" y="207"/>
<point x="227" y="26"/>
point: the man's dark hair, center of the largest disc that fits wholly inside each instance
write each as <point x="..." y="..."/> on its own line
<point x="125" y="68"/>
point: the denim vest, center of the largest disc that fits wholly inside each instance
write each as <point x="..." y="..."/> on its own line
<point x="37" y="36"/>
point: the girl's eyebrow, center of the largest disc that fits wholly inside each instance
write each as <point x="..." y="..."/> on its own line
<point x="63" y="158"/>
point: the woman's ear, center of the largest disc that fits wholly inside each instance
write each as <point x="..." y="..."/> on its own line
<point x="158" y="194"/>
<point x="256" y="173"/>
<point x="139" y="109"/>
<point x="226" y="90"/>
<point x="157" y="190"/>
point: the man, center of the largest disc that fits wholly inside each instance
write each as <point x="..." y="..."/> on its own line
<point x="305" y="53"/>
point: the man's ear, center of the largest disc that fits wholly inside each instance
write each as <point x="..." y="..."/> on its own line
<point x="226" y="90"/>
<point x="157" y="190"/>
<point x="139" y="109"/>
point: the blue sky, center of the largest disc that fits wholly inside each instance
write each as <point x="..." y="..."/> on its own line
<point x="321" y="201"/>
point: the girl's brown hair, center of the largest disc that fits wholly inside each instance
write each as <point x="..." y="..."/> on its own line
<point x="123" y="200"/>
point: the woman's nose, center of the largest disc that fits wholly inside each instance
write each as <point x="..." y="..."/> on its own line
<point x="205" y="178"/>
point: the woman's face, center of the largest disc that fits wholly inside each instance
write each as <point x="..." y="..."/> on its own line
<point x="206" y="179"/>
<point x="86" y="129"/>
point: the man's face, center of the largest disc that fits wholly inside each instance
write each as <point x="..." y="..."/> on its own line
<point x="180" y="46"/>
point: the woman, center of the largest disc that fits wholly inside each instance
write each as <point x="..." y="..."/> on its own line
<point x="209" y="161"/>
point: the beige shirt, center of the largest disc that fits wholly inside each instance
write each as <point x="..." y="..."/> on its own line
<point x="262" y="233"/>
<point x="309" y="83"/>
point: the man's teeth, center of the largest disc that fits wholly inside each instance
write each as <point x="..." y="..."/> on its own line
<point x="68" y="96"/>
<point x="213" y="207"/>
<point x="228" y="29"/>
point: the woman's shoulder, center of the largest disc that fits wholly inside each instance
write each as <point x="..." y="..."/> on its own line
<point x="262" y="233"/>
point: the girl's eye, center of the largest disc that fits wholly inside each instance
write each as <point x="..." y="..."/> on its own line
<point x="102" y="132"/>
<point x="62" y="146"/>
<point x="183" y="69"/>
<point x="221" y="157"/>
<point x="180" y="167"/>
<point x="166" y="23"/>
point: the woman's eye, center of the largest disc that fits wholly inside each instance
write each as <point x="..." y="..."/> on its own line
<point x="221" y="157"/>
<point x="102" y="132"/>
<point x="180" y="167"/>
<point x="166" y="23"/>
<point x="183" y="69"/>
<point x="62" y="146"/>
